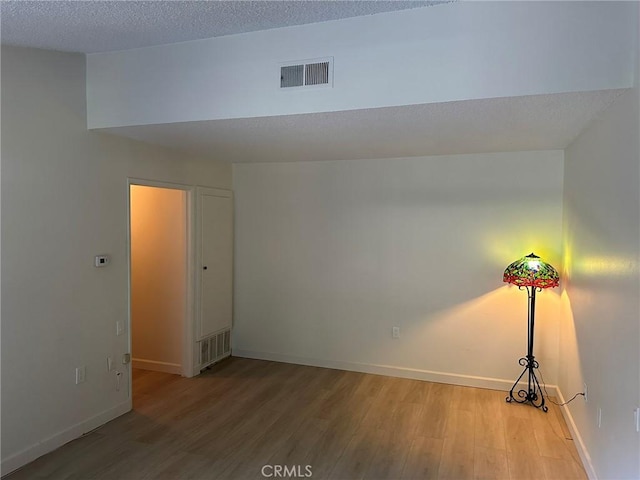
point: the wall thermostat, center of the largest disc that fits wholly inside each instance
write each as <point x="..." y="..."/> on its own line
<point x="102" y="260"/>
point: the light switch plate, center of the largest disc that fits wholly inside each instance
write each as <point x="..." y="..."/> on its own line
<point x="102" y="260"/>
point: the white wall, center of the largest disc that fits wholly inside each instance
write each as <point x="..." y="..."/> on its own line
<point x="455" y="51"/>
<point x="64" y="200"/>
<point x="158" y="277"/>
<point x="600" y="334"/>
<point x="331" y="255"/>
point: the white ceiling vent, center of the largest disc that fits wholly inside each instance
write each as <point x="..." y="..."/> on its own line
<point x="307" y="73"/>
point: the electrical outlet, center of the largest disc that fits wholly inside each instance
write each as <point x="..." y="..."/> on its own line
<point x="395" y="332"/>
<point x="584" y="390"/>
<point x="81" y="373"/>
<point x="119" y="327"/>
<point x="599" y="417"/>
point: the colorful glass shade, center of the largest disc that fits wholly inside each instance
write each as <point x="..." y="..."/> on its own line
<point x="531" y="271"/>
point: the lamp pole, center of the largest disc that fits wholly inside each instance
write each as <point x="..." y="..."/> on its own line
<point x="533" y="394"/>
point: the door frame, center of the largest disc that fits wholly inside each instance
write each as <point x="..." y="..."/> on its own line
<point x="188" y="331"/>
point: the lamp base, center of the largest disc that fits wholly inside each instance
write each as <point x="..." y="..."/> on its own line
<point x="533" y="394"/>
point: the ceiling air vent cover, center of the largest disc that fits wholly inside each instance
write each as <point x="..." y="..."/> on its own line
<point x="307" y="73"/>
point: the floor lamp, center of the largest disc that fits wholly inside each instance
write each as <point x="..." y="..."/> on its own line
<point x="532" y="273"/>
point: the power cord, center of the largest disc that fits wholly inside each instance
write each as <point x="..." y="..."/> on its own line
<point x="567" y="435"/>
<point x="544" y="387"/>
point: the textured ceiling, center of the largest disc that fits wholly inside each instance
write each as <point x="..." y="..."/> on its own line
<point x="538" y="122"/>
<point x="101" y="26"/>
<point x="473" y="126"/>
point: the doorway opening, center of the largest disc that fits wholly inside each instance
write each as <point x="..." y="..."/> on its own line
<point x="159" y="285"/>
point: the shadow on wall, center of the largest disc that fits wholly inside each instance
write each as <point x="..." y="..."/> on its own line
<point x="571" y="375"/>
<point x="484" y="329"/>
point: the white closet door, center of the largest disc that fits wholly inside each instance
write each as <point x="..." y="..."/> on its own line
<point x="216" y="260"/>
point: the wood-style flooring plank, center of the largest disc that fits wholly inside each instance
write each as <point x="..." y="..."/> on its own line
<point x="525" y="466"/>
<point x="433" y="419"/>
<point x="490" y="464"/>
<point x="423" y="459"/>
<point x="356" y="456"/>
<point x="242" y="414"/>
<point x="564" y="469"/>
<point x="457" y="460"/>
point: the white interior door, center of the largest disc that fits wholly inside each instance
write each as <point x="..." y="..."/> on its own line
<point x="216" y="260"/>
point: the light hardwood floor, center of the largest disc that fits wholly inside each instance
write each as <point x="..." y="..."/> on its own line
<point x="243" y="414"/>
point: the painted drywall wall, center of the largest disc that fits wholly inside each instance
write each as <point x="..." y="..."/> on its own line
<point x="600" y="334"/>
<point x="455" y="51"/>
<point x="158" y="277"/>
<point x="331" y="255"/>
<point x="64" y="200"/>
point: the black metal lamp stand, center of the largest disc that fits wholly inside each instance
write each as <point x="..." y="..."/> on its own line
<point x="533" y="394"/>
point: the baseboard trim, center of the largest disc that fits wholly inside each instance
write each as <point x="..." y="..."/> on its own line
<point x="29" y="454"/>
<point x="577" y="439"/>
<point x="156" y="366"/>
<point x="390" y="371"/>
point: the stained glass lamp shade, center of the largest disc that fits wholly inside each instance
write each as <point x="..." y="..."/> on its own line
<point x="531" y="271"/>
<point x="533" y="274"/>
